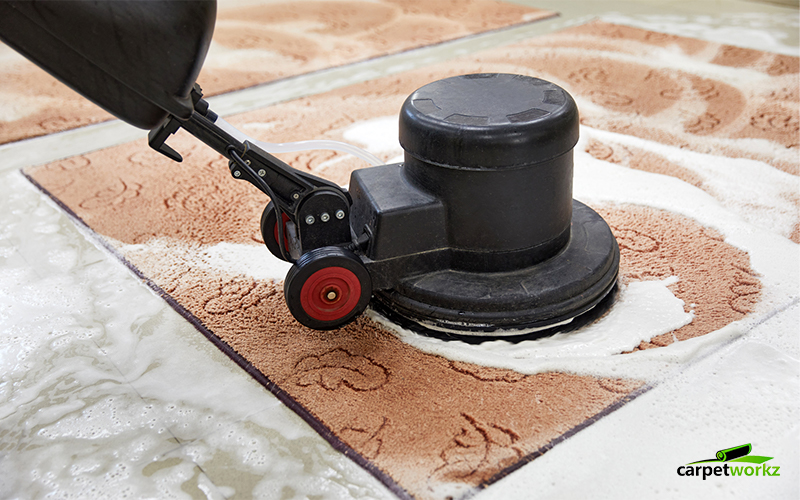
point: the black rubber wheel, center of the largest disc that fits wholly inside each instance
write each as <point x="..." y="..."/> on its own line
<point x="269" y="231"/>
<point x="327" y="288"/>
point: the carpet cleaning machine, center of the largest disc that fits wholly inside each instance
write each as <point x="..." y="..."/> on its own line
<point x="475" y="233"/>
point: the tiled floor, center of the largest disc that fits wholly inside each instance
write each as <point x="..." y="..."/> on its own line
<point x="106" y="392"/>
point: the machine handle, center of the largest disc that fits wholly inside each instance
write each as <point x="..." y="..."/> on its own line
<point x="288" y="188"/>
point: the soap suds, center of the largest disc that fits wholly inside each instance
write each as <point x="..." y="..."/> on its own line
<point x="377" y="134"/>
<point x="643" y="310"/>
<point x="757" y="192"/>
<point x="231" y="258"/>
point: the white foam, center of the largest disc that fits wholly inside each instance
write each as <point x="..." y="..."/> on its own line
<point x="754" y="190"/>
<point x="642" y="311"/>
<point x="18" y="106"/>
<point x="377" y="135"/>
<point x="222" y="57"/>
<point x="742" y="29"/>
<point x="670" y="60"/>
<point x="237" y="259"/>
<point x="250" y="260"/>
<point x="772" y="256"/>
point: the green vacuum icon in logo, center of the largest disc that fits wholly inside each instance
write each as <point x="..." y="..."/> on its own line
<point x="736" y="455"/>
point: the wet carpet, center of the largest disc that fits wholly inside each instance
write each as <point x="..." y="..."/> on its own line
<point x="427" y="426"/>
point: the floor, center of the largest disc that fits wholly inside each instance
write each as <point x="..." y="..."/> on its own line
<point x="105" y="392"/>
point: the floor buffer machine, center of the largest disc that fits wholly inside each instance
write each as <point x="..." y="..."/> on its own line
<point x="475" y="233"/>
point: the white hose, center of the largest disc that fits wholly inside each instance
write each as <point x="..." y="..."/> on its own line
<point x="292" y="147"/>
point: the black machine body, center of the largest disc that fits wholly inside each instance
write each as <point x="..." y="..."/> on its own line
<point x="474" y="233"/>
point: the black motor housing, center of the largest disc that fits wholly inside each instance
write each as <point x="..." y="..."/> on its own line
<point x="136" y="59"/>
<point x="476" y="231"/>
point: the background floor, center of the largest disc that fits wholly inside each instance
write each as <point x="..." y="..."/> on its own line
<point x="106" y="392"/>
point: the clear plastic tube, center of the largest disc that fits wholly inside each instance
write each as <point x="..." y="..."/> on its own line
<point x="292" y="147"/>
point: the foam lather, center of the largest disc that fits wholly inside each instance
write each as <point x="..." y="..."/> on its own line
<point x="735" y="452"/>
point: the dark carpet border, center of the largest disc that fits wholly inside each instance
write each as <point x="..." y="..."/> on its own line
<point x="608" y="410"/>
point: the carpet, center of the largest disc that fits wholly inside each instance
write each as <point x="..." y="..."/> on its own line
<point x="262" y="41"/>
<point x="674" y="114"/>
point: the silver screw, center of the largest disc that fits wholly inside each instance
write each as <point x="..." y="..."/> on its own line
<point x="262" y="172"/>
<point x="340" y="214"/>
<point x="325" y="217"/>
<point x="296" y="196"/>
<point x="247" y="161"/>
<point x="310" y="220"/>
<point x="236" y="173"/>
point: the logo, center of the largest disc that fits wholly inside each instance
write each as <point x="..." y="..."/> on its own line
<point x="734" y="462"/>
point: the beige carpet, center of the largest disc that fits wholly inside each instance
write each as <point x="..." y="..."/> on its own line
<point x="264" y="40"/>
<point x="423" y="424"/>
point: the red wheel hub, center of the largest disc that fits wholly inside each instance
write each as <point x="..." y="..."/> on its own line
<point x="330" y="293"/>
<point x="285" y="236"/>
